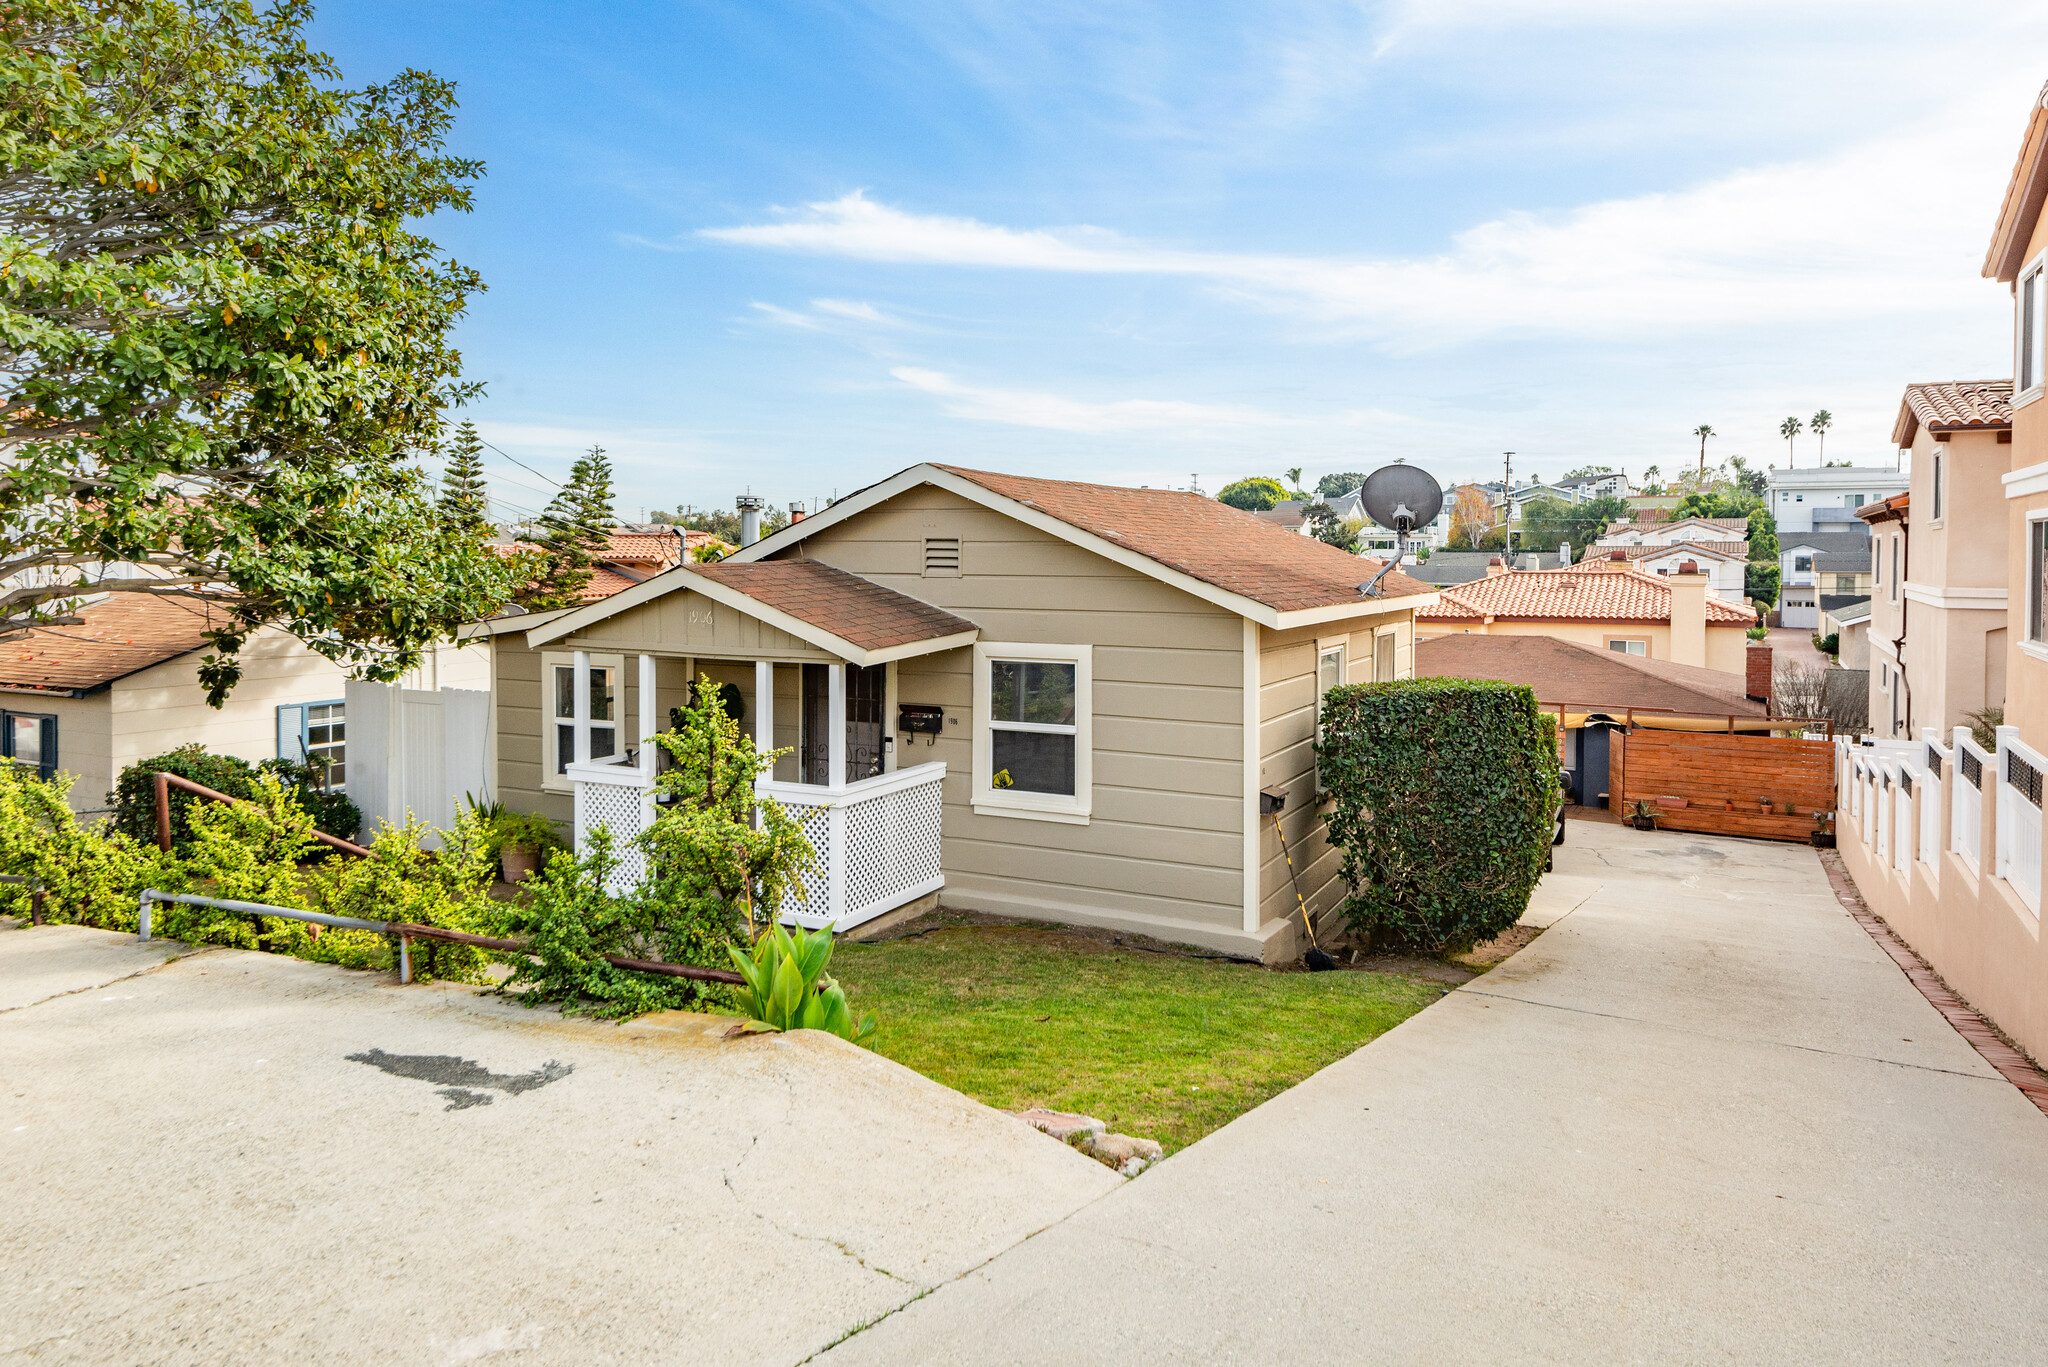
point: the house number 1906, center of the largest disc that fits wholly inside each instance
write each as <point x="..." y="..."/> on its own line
<point x="700" y="617"/>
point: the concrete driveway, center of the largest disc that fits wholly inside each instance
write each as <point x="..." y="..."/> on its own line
<point x="1701" y="1119"/>
<point x="222" y="1157"/>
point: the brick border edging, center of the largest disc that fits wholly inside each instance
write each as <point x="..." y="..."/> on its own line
<point x="2012" y="1065"/>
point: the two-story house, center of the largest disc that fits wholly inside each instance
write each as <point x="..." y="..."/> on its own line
<point x="1717" y="530"/>
<point x="1818" y="500"/>
<point x="1943" y="833"/>
<point x="1938" y="564"/>
<point x="1800" y="576"/>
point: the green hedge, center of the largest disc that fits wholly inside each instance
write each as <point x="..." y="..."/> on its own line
<point x="134" y="795"/>
<point x="1443" y="790"/>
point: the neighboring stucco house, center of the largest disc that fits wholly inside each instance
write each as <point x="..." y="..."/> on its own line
<point x="1717" y="531"/>
<point x="1799" y="575"/>
<point x="1604" y="604"/>
<point x="123" y="685"/>
<point x="1725" y="563"/>
<point x="1049" y="699"/>
<point x="1944" y="837"/>
<point x="1826" y="498"/>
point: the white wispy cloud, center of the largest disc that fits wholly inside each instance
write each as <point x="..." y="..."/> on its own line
<point x="788" y="317"/>
<point x="1811" y="240"/>
<point x="1059" y="413"/>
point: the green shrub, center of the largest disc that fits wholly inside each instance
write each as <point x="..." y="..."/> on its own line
<point x="399" y="881"/>
<point x="1253" y="495"/>
<point x="1830" y="644"/>
<point x="1444" y="790"/>
<point x="134" y="795"/>
<point x="245" y="852"/>
<point x="570" y="922"/>
<point x="332" y="812"/>
<point x="91" y="875"/>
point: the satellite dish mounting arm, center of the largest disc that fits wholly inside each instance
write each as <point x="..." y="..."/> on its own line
<point x="1371" y="587"/>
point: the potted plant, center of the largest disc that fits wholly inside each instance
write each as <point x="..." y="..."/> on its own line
<point x="1643" y="816"/>
<point x="522" y="838"/>
<point x="1823" y="830"/>
<point x="1763" y="805"/>
<point x="1791" y="809"/>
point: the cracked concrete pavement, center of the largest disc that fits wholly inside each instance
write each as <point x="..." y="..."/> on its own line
<point x="1702" y="1118"/>
<point x="229" y="1157"/>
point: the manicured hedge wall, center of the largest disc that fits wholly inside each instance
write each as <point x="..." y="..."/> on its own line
<point x="1444" y="790"/>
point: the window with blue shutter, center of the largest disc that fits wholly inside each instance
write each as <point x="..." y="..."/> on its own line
<point x="316" y="733"/>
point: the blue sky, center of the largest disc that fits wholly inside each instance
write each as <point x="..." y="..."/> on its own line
<point x="794" y="248"/>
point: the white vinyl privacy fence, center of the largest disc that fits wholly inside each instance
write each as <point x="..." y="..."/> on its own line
<point x="1973" y="768"/>
<point x="2019" y="770"/>
<point x="416" y="751"/>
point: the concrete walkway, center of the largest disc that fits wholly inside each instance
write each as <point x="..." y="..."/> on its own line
<point x="237" y="1158"/>
<point x="1701" y="1119"/>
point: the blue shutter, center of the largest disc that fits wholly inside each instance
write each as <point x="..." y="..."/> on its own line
<point x="291" y="731"/>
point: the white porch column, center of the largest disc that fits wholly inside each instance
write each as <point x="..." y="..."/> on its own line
<point x="764" y="706"/>
<point x="835" y="725"/>
<point x="581" y="708"/>
<point x="648" y="714"/>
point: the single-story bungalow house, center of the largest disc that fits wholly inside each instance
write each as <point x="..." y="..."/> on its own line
<point x="123" y="685"/>
<point x="1055" y="700"/>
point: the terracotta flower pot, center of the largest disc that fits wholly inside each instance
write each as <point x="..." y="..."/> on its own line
<point x="520" y="862"/>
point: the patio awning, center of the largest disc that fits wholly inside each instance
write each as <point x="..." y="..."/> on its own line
<point x="847" y="616"/>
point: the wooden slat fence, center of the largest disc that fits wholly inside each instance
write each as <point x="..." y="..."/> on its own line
<point x="1720" y="778"/>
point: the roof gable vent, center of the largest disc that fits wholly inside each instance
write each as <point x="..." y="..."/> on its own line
<point x="942" y="557"/>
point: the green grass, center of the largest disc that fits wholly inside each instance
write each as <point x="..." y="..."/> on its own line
<point x="1155" y="1045"/>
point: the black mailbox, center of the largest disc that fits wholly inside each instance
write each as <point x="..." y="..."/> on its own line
<point x="919" y="719"/>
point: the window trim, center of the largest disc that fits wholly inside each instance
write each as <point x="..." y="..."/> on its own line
<point x="305" y="750"/>
<point x="2030" y="342"/>
<point x="987" y="801"/>
<point x="550" y="661"/>
<point x="1935" y="482"/>
<point x="1609" y="642"/>
<point x="1895" y="568"/>
<point x="1394" y="663"/>
<point x="46" y="737"/>
<point x="2037" y="610"/>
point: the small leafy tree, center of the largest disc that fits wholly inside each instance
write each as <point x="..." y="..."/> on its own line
<point x="1444" y="790"/>
<point x="1253" y="495"/>
<point x="1326" y="527"/>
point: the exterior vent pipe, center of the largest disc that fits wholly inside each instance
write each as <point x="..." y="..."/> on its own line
<point x="750" y="506"/>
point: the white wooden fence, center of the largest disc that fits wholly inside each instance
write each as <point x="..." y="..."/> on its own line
<point x="2019" y="770"/>
<point x="416" y="751"/>
<point x="1966" y="819"/>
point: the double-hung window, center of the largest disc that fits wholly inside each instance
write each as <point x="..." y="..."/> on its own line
<point x="316" y="734"/>
<point x="1329" y="674"/>
<point x="559" y="673"/>
<point x="30" y="738"/>
<point x="2037" y="582"/>
<point x="1033" y="741"/>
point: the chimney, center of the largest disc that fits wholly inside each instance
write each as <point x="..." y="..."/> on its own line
<point x="796" y="513"/>
<point x="1756" y="673"/>
<point x="1620" y="555"/>
<point x="1688" y="615"/>
<point x="750" y="506"/>
<point x="1564" y="553"/>
<point x="1496" y="566"/>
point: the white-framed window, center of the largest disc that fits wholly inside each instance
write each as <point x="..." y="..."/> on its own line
<point x="2030" y="327"/>
<point x="1386" y="646"/>
<point x="558" y="690"/>
<point x="1033" y="731"/>
<point x="316" y="734"/>
<point x="1937" y="486"/>
<point x="1628" y="645"/>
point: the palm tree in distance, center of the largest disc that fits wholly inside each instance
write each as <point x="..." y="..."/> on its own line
<point x="1819" y="424"/>
<point x="1703" y="432"/>
<point x="1653" y="480"/>
<point x="1789" y="429"/>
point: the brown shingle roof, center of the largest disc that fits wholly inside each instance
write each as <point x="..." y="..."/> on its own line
<point x="1573" y="595"/>
<point x="1953" y="406"/>
<point x="849" y="607"/>
<point x="1583" y="676"/>
<point x="1237" y="552"/>
<point x="120" y="634"/>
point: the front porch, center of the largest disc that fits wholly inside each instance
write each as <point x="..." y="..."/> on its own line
<point x="821" y="685"/>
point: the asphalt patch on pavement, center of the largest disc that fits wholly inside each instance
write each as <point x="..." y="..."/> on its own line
<point x="459" y="1078"/>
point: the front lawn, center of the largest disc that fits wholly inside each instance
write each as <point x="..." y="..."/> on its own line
<point x="1156" y="1045"/>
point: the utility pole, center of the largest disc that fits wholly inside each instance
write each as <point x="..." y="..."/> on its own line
<point x="1507" y="509"/>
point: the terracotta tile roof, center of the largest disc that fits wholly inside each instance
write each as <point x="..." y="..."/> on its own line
<point x="606" y="580"/>
<point x="630" y="557"/>
<point x="1583" y="676"/>
<point x="1235" y="551"/>
<point x="1891" y="509"/>
<point x="850" y="607"/>
<point x="1953" y="406"/>
<point x="1735" y="550"/>
<point x="120" y="634"/>
<point x="1573" y="595"/>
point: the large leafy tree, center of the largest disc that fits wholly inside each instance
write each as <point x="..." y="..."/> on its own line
<point x="220" y="341"/>
<point x="1339" y="484"/>
<point x="1254" y="494"/>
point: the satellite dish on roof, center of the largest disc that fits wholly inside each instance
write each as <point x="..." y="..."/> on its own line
<point x="1401" y="498"/>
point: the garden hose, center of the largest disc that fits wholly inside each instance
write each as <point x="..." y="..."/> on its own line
<point x="1316" y="957"/>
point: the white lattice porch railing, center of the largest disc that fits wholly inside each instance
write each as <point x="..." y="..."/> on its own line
<point x="618" y="796"/>
<point x="877" y="842"/>
<point x="2021" y="770"/>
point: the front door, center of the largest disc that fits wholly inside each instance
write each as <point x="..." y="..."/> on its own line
<point x="864" y="699"/>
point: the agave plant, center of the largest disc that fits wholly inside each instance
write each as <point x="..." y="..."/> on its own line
<point x="787" y="987"/>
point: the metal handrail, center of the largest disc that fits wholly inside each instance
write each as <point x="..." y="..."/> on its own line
<point x="407" y="932"/>
<point x="165" y="782"/>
